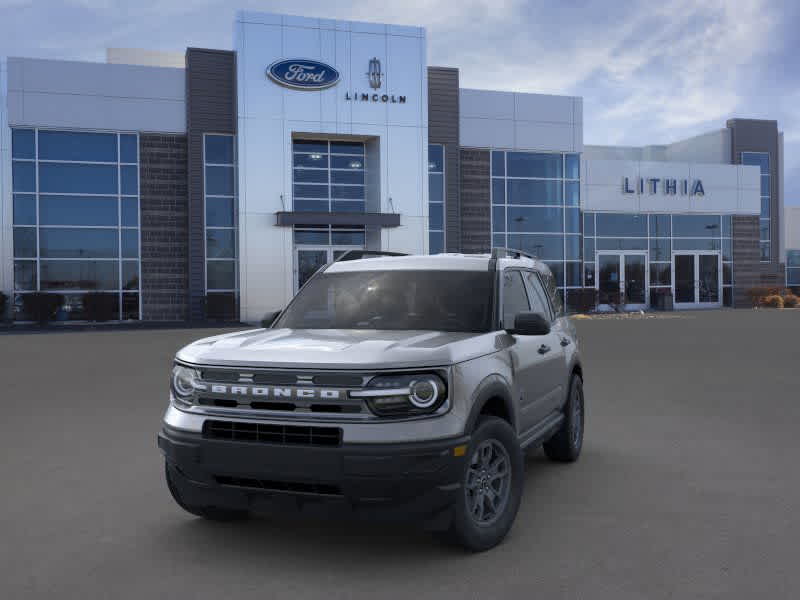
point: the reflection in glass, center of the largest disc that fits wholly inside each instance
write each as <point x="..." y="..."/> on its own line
<point x="77" y="146"/>
<point x="67" y="178"/>
<point x="80" y="275"/>
<point x="55" y="242"/>
<point x="221" y="274"/>
<point x="77" y="210"/>
<point x="220" y="243"/>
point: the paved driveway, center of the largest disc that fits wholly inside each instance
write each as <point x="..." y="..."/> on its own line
<point x="688" y="486"/>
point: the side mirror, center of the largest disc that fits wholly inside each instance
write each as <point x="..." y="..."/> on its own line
<point x="530" y="323"/>
<point x="269" y="319"/>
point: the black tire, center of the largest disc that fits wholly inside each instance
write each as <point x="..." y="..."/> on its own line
<point x="566" y="444"/>
<point x="212" y="513"/>
<point x="473" y="532"/>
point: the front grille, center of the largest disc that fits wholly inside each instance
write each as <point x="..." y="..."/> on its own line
<point x="296" y="487"/>
<point x="351" y="407"/>
<point x="268" y="433"/>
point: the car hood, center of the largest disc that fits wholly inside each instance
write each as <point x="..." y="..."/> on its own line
<point x="336" y="349"/>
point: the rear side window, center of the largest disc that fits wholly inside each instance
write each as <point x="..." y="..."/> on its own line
<point x="515" y="299"/>
<point x="552" y="292"/>
<point x="537" y="295"/>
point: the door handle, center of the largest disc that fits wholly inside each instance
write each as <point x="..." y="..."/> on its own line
<point x="565" y="341"/>
<point x="544" y="349"/>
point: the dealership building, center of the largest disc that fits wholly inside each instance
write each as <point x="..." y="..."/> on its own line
<point x="212" y="183"/>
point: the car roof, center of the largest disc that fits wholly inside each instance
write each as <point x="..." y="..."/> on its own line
<point x="431" y="262"/>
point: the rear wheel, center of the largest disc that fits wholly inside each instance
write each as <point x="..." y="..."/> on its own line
<point x="212" y="513"/>
<point x="487" y="504"/>
<point x="566" y="444"/>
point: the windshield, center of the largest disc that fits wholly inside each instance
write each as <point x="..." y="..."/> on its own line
<point x="434" y="300"/>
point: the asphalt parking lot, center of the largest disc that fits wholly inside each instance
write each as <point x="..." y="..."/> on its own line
<point x="688" y="486"/>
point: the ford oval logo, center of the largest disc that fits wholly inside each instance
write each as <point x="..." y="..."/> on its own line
<point x="303" y="74"/>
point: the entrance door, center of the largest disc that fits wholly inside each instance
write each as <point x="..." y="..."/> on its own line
<point x="697" y="279"/>
<point x="622" y="280"/>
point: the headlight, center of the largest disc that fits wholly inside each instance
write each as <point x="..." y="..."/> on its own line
<point x="183" y="382"/>
<point x="404" y="394"/>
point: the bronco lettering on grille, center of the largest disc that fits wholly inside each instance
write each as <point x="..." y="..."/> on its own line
<point x="270" y="392"/>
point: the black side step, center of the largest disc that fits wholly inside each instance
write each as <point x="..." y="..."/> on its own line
<point x="543" y="431"/>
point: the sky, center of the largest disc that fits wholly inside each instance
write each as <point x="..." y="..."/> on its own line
<point x="650" y="72"/>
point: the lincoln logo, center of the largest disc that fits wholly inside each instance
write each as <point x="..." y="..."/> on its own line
<point x="295" y="393"/>
<point x="374" y="74"/>
<point x="301" y="74"/>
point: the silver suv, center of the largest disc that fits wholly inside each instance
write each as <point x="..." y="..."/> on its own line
<point x="390" y="386"/>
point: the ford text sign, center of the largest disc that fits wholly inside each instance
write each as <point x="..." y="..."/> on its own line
<point x="303" y="74"/>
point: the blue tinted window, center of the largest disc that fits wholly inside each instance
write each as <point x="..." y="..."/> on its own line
<point x="793" y="258"/>
<point x="310" y="146"/>
<point x="130" y="275"/>
<point x="572" y="220"/>
<point x="221" y="274"/>
<point x="320" y="161"/>
<point x="347" y="192"/>
<point x="312" y="175"/>
<point x="339" y="162"/>
<point x="436" y="188"/>
<point x="220" y="243"/>
<point x="727" y="249"/>
<point x="347" y="148"/>
<point x="764" y="229"/>
<point x="310" y="191"/>
<point x="435" y="242"/>
<point x="311" y="237"/>
<point x="529" y="164"/>
<point x="573" y="166"/>
<point x="129" y="184"/>
<point x="219" y="149"/>
<point x="348" y="206"/>
<point x="25" y="242"/>
<point x="77" y="210"/>
<point x="759" y="159"/>
<point x="499" y="240"/>
<point x="498" y="163"/>
<point x="498" y="218"/>
<point x="24" y="275"/>
<point x="557" y="269"/>
<point x="498" y="191"/>
<point x="348" y="238"/>
<point x="77" y="179"/>
<point x="130" y="212"/>
<point x="356" y="177"/>
<point x="311" y="205"/>
<point x="621" y="244"/>
<point x="660" y="226"/>
<point x="219" y="181"/>
<point x="766" y="251"/>
<point x="540" y="220"/>
<point x="588" y="224"/>
<point x="23" y="176"/>
<point x="627" y="225"/>
<point x="573" y="274"/>
<point x="79" y="275"/>
<point x="219" y="212"/>
<point x="24" y="209"/>
<point x="436" y="216"/>
<point x="765" y="207"/>
<point x="80" y="146"/>
<point x="130" y="243"/>
<point x="23" y="143"/>
<point x="588" y="249"/>
<point x="526" y="191"/>
<point x="696" y="225"/>
<point x="660" y="249"/>
<point x="765" y="185"/>
<point x="572" y="247"/>
<point x="547" y="247"/>
<point x="695" y="244"/>
<point x="78" y="243"/>
<point x="435" y="158"/>
<point x="128" y="149"/>
<point x="727" y="225"/>
<point x="572" y="190"/>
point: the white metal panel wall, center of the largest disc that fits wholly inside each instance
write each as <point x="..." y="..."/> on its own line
<point x="791" y="227"/>
<point x="491" y="119"/>
<point x="729" y="189"/>
<point x="269" y="115"/>
<point x="83" y="95"/>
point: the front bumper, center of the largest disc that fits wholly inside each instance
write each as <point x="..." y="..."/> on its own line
<point x="405" y="480"/>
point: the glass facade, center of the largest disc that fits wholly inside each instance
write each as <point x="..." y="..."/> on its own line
<point x="659" y="235"/>
<point x="76" y="219"/>
<point x="761" y="160"/>
<point x="328" y="176"/>
<point x="793" y="268"/>
<point x="221" y="224"/>
<point x="536" y="209"/>
<point x="436" y="198"/>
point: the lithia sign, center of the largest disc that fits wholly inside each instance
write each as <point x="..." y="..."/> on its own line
<point x="667" y="186"/>
<point x="306" y="74"/>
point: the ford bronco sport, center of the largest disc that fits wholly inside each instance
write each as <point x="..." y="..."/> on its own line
<point x="390" y="385"/>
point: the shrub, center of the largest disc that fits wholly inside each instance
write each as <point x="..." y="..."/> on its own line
<point x="3" y="306"/>
<point x="773" y="301"/>
<point x="790" y="301"/>
<point x="99" y="306"/>
<point x="41" y="306"/>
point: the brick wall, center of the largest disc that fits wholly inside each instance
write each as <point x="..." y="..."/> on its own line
<point x="746" y="253"/>
<point x="165" y="231"/>
<point x="476" y="216"/>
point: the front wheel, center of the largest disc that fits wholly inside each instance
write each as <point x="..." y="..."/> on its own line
<point x="491" y="487"/>
<point x="566" y="444"/>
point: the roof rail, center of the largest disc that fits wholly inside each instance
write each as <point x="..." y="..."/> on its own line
<point x="499" y="252"/>
<point x="359" y="254"/>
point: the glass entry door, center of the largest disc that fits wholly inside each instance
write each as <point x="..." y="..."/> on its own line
<point x="697" y="279"/>
<point x="622" y="280"/>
